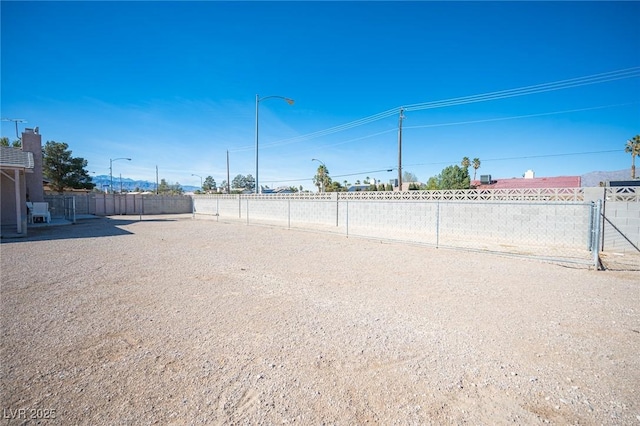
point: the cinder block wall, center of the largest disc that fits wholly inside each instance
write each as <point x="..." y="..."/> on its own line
<point x="543" y="224"/>
<point x="621" y="230"/>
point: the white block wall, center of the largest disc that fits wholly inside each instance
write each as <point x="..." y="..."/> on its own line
<point x="621" y="232"/>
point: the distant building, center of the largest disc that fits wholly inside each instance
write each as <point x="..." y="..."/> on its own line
<point x="355" y="188"/>
<point x="529" y="181"/>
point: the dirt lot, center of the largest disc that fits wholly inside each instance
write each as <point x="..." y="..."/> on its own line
<point x="179" y="321"/>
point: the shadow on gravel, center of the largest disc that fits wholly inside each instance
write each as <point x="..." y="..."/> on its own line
<point x="102" y="227"/>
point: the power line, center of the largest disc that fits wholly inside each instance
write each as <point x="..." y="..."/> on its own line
<point x="522" y="157"/>
<point x="520" y="116"/>
<point x="529" y="90"/>
<point x="473" y="122"/>
<point x="626" y="73"/>
<point x="390" y="169"/>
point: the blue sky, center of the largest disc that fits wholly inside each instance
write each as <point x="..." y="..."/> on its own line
<point x="173" y="85"/>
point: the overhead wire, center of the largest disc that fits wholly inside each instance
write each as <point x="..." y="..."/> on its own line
<point x="529" y="90"/>
<point x="487" y="120"/>
<point x="526" y="157"/>
<point x="501" y="94"/>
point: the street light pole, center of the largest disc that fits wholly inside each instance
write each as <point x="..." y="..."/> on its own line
<point x="111" y="170"/>
<point x="400" y="149"/>
<point x="258" y="99"/>
<point x="324" y="170"/>
<point x="200" y="180"/>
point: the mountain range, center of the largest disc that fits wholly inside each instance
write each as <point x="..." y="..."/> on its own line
<point x="103" y="181"/>
<point x="594" y="178"/>
<point x="590" y="179"/>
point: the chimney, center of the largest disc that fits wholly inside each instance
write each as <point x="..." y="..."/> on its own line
<point x="32" y="142"/>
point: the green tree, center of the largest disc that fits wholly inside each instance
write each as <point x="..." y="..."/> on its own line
<point x="432" y="183"/>
<point x="4" y="141"/>
<point x="334" y="186"/>
<point x="239" y="182"/>
<point x="454" y="177"/>
<point x="633" y="148"/>
<point x="62" y="169"/>
<point x="176" y="189"/>
<point x="476" y="166"/>
<point x="321" y="178"/>
<point x="409" y="177"/>
<point x="250" y="183"/>
<point x="209" y="184"/>
<point x="163" y="187"/>
<point x="465" y="163"/>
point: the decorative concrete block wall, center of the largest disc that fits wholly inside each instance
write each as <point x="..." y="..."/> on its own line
<point x="621" y="230"/>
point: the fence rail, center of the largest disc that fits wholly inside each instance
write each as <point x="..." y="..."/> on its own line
<point x="559" y="223"/>
<point x="557" y="230"/>
<point x="116" y="204"/>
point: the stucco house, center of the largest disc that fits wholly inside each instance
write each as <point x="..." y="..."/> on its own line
<point x="529" y="181"/>
<point x="20" y="179"/>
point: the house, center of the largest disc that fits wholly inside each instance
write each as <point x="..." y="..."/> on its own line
<point x="357" y="188"/>
<point x="20" y="179"/>
<point x="529" y="181"/>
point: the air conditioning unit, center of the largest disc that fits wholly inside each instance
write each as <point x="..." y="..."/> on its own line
<point x="485" y="179"/>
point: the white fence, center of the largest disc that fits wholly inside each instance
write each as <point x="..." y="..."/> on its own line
<point x="116" y="204"/>
<point x="554" y="224"/>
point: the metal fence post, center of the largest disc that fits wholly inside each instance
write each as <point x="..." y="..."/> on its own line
<point x="592" y="220"/>
<point x="289" y="213"/>
<point x="437" y="223"/>
<point x="347" y="216"/>
<point x="596" y="235"/>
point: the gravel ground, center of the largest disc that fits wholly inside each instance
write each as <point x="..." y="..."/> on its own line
<point x="172" y="320"/>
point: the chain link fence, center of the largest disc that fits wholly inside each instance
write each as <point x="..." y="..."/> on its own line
<point x="561" y="231"/>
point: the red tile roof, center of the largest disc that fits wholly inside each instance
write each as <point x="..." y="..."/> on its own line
<point x="522" y="183"/>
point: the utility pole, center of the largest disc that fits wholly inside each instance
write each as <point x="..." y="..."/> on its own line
<point x="156" y="180"/>
<point x="228" y="182"/>
<point x="400" y="148"/>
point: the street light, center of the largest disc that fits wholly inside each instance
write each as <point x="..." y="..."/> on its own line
<point x="323" y="172"/>
<point x="200" y="179"/>
<point x="111" y="170"/>
<point x="258" y="99"/>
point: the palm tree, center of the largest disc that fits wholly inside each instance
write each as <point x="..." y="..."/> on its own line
<point x="476" y="166"/>
<point x="322" y="179"/>
<point x="465" y="163"/>
<point x="633" y="148"/>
